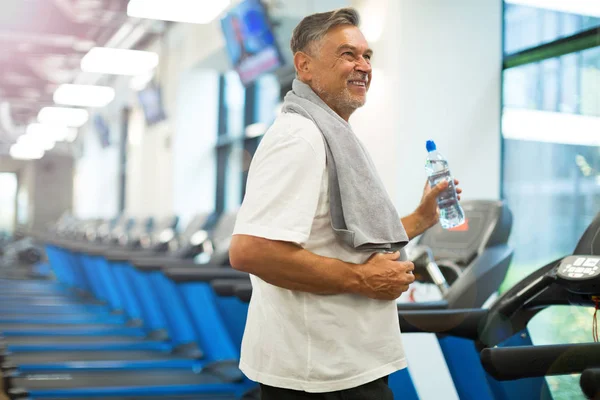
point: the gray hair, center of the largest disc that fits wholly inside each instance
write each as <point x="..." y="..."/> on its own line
<point x="314" y="27"/>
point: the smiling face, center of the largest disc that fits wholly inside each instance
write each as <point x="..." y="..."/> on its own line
<point x="338" y="69"/>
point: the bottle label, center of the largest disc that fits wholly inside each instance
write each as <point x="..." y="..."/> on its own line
<point x="448" y="197"/>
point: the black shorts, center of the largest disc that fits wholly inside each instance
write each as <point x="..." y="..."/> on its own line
<point x="376" y="390"/>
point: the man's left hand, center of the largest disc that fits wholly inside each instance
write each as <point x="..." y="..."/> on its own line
<point x="428" y="211"/>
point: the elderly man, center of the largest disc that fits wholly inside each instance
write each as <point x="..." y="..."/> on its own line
<point x="319" y="235"/>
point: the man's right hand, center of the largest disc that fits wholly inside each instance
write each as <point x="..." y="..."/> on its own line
<point x="383" y="277"/>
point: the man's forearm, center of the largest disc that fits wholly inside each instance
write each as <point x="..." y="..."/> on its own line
<point x="288" y="266"/>
<point x="414" y="225"/>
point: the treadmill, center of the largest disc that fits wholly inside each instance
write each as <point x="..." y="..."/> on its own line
<point x="74" y="298"/>
<point x="499" y="337"/>
<point x="181" y="349"/>
<point x="514" y="367"/>
<point x="79" y="300"/>
<point x="80" y="316"/>
<point x="219" y="377"/>
<point x="466" y="265"/>
<point x="95" y="339"/>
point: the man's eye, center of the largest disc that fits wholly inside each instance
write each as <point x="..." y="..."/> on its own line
<point x="348" y="53"/>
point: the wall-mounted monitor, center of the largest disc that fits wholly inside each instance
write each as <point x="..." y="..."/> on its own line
<point x="251" y="45"/>
<point x="150" y="100"/>
<point x="102" y="130"/>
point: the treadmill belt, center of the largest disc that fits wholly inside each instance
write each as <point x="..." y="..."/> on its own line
<point x="49" y="340"/>
<point x="52" y="357"/>
<point x="25" y="302"/>
<point x="55" y="327"/>
<point x="113" y="379"/>
<point x="40" y="315"/>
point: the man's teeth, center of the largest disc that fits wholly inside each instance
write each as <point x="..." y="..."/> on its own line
<point x="359" y="83"/>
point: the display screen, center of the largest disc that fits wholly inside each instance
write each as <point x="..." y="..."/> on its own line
<point x="150" y="99"/>
<point x="102" y="130"/>
<point x="250" y="42"/>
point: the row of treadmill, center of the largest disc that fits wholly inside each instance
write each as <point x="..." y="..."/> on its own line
<point x="150" y="308"/>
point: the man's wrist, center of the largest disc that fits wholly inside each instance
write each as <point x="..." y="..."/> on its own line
<point x="414" y="224"/>
<point x="354" y="280"/>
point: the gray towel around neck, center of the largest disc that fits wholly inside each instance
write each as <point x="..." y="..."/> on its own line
<point x="362" y="214"/>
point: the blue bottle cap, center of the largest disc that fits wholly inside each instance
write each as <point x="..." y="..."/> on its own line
<point x="430" y="146"/>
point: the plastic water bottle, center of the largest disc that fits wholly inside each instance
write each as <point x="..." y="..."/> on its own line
<point x="451" y="213"/>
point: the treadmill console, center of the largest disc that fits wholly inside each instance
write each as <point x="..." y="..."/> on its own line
<point x="580" y="274"/>
<point x="488" y="223"/>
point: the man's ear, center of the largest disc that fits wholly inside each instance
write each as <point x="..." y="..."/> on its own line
<point x="303" y="64"/>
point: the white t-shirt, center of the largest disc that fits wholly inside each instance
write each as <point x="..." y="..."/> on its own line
<point x="299" y="340"/>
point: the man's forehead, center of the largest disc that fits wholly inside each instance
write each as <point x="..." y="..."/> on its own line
<point x="345" y="36"/>
<point x="347" y="46"/>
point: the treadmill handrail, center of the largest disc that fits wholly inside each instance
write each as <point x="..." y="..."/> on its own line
<point x="431" y="267"/>
<point x="423" y="305"/>
<point x="126" y="255"/>
<point x="202" y="274"/>
<point x="464" y="323"/>
<point x="226" y="287"/>
<point x="244" y="292"/>
<point x="508" y="363"/>
<point x="590" y="382"/>
<point x="513" y="302"/>
<point x="89" y="248"/>
<point x="163" y="262"/>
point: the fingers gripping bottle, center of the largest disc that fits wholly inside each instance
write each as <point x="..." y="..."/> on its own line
<point x="451" y="213"/>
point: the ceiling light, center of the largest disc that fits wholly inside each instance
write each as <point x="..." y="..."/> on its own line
<point x="191" y="11"/>
<point x="71" y="136"/>
<point x="104" y="60"/>
<point x="19" y="152"/>
<point x="580" y="7"/>
<point x="72" y="117"/>
<point x="53" y="132"/>
<point x="45" y="143"/>
<point x="84" y="95"/>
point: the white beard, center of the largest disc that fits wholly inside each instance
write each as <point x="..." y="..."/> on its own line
<point x="343" y="101"/>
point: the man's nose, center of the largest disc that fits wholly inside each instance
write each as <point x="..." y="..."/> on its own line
<point x="363" y="65"/>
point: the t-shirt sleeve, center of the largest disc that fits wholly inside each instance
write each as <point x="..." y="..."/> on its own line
<point x="283" y="188"/>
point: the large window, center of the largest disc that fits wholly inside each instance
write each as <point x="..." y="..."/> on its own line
<point x="527" y="27"/>
<point x="551" y="153"/>
<point x="551" y="157"/>
<point x="245" y="114"/>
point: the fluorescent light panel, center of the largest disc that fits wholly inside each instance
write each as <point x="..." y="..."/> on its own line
<point x="45" y="143"/>
<point x="84" y="95"/>
<point x="19" y="152"/>
<point x="190" y="11"/>
<point x="71" y="136"/>
<point x="71" y="117"/>
<point x="53" y="132"/>
<point x="550" y="127"/>
<point x="580" y="7"/>
<point x="104" y="60"/>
